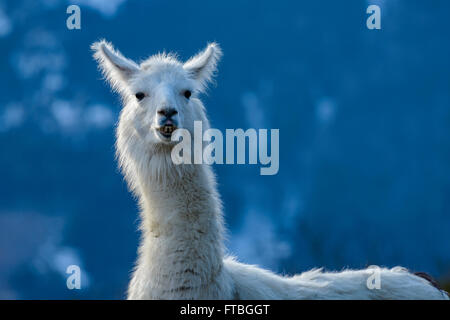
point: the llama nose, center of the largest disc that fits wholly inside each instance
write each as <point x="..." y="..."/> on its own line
<point x="167" y="112"/>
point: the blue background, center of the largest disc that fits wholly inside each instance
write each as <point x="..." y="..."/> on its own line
<point x="364" y="136"/>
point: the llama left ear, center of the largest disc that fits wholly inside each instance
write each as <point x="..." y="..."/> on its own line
<point x="204" y="65"/>
<point x="117" y="69"/>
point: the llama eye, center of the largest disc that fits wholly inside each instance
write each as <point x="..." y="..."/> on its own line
<point x="187" y="94"/>
<point x="140" y="96"/>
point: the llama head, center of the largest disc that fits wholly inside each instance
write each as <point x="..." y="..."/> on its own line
<point x="159" y="95"/>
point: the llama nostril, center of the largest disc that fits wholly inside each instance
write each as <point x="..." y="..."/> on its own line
<point x="167" y="112"/>
<point x="171" y="112"/>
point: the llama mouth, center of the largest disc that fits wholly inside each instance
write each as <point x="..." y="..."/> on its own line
<point x="167" y="130"/>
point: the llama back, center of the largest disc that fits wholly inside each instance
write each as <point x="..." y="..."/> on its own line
<point x="252" y="282"/>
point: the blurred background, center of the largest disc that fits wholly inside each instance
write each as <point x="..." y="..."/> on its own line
<point x="364" y="119"/>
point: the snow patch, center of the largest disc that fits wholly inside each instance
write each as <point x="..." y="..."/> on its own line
<point x="5" y="24"/>
<point x="12" y="117"/>
<point x="99" y="116"/>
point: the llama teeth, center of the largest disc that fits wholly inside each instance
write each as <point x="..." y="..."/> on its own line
<point x="167" y="129"/>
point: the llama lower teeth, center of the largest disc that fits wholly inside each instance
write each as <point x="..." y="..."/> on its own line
<point x="167" y="130"/>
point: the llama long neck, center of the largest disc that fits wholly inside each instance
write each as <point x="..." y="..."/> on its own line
<point x="182" y="245"/>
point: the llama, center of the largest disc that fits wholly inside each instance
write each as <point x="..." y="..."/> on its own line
<point x="182" y="255"/>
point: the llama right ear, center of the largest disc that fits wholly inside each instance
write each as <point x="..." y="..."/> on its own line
<point x="116" y="68"/>
<point x="203" y="66"/>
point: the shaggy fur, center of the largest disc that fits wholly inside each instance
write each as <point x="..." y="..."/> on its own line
<point x="181" y="255"/>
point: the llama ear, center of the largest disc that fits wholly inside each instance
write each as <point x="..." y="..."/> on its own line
<point x="116" y="68"/>
<point x="203" y="65"/>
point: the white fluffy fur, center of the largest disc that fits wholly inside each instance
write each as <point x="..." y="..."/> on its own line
<point x="181" y="255"/>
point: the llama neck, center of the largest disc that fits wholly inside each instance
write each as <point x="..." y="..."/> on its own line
<point x="182" y="228"/>
<point x="187" y="201"/>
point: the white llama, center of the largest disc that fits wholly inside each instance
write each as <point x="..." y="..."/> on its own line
<point x="181" y="255"/>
